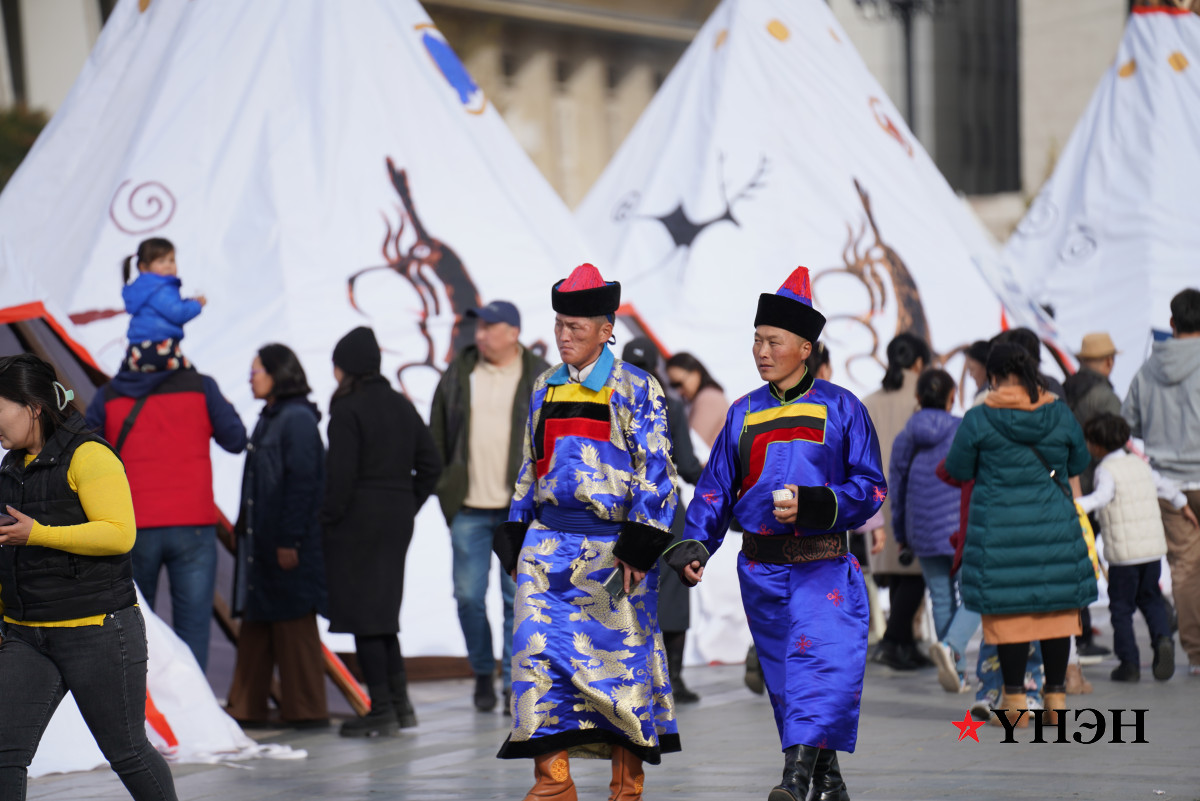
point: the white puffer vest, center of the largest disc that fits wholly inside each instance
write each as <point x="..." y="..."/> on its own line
<point x="1131" y="524"/>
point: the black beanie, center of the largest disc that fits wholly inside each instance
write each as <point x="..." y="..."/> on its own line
<point x="357" y="353"/>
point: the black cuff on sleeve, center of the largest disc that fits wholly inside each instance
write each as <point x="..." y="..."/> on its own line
<point x="507" y="541"/>
<point x="639" y="545"/>
<point x="816" y="509"/>
<point x="682" y="554"/>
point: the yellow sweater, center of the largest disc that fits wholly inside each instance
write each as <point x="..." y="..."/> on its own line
<point x="98" y="477"/>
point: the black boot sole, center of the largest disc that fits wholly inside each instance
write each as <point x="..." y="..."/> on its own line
<point x="781" y="794"/>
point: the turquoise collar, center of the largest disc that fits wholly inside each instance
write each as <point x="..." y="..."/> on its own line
<point x="595" y="380"/>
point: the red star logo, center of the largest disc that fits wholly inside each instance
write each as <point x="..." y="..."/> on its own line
<point x="967" y="727"/>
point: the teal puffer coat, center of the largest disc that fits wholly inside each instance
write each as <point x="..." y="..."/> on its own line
<point x="1024" y="548"/>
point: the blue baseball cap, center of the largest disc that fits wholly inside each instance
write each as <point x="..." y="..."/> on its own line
<point x="498" y="311"/>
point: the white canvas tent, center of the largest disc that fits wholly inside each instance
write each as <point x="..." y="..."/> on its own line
<point x="318" y="166"/>
<point x="771" y="145"/>
<point x="1115" y="232"/>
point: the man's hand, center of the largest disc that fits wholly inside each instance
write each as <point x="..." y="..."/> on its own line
<point x="632" y="576"/>
<point x="785" y="511"/>
<point x="289" y="558"/>
<point x="878" y="540"/>
<point x="18" y="533"/>
<point x="694" y="572"/>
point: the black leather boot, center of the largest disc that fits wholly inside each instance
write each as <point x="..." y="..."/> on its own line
<point x="405" y="715"/>
<point x="379" y="722"/>
<point x="798" y="764"/>
<point x="827" y="778"/>
<point x="673" y="643"/>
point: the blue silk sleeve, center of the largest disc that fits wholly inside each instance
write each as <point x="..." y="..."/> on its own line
<point x="521" y="509"/>
<point x="649" y="444"/>
<point x="711" y="509"/>
<point x="864" y="488"/>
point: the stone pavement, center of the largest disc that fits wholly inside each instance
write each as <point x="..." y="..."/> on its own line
<point x="908" y="750"/>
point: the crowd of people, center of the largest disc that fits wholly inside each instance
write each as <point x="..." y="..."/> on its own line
<point x="570" y="475"/>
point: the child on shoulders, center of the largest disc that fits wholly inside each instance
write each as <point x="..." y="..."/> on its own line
<point x="158" y="312"/>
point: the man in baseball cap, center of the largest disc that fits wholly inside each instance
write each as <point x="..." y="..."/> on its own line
<point x="478" y="422"/>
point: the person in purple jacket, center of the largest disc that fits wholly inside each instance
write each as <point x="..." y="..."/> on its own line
<point x="925" y="510"/>
<point x="156" y="308"/>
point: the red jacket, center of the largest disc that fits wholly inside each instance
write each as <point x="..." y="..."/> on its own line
<point x="166" y="452"/>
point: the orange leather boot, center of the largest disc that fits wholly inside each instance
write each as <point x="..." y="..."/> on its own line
<point x="552" y="778"/>
<point x="627" y="776"/>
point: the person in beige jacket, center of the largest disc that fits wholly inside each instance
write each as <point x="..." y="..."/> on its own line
<point x="890" y="407"/>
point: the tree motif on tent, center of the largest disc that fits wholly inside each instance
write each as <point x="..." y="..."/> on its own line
<point x="682" y="229"/>
<point x="432" y="268"/>
<point x="871" y="260"/>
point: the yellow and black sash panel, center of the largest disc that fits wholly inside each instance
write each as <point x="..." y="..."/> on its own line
<point x="570" y="410"/>
<point x="796" y="422"/>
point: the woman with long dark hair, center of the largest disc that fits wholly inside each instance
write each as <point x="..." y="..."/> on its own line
<point x="70" y="616"/>
<point x="890" y="407"/>
<point x="706" y="403"/>
<point x="1025" y="564"/>
<point x="280" y="581"/>
<point x="382" y="466"/>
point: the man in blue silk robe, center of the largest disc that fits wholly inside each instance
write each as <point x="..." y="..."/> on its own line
<point x="803" y="592"/>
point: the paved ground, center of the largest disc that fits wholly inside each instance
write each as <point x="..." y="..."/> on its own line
<point x="907" y="750"/>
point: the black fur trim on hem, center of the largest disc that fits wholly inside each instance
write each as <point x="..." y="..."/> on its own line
<point x="528" y="749"/>
<point x="639" y="545"/>
<point x="682" y="554"/>
<point x="817" y="508"/>
<point x="506" y="543"/>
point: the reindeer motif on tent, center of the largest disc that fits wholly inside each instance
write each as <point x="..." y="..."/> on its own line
<point x="682" y="229"/>
<point x="870" y="259"/>
<point x="432" y="268"/>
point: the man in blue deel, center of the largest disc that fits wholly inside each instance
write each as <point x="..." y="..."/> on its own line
<point x="797" y="464"/>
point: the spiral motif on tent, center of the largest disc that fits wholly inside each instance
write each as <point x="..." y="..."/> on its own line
<point x="1080" y="245"/>
<point x="142" y="208"/>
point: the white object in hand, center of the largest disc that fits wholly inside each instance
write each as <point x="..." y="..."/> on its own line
<point x="778" y="495"/>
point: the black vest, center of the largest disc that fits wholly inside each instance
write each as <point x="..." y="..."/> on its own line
<point x="42" y="585"/>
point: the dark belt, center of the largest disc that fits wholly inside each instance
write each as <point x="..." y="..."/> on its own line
<point x="783" y="549"/>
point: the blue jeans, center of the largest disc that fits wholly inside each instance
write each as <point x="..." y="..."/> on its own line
<point x="104" y="667"/>
<point x="190" y="555"/>
<point x="471" y="537"/>
<point x="954" y="623"/>
<point x="1133" y="587"/>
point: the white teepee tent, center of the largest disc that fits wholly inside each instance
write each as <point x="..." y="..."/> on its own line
<point x="1115" y="232"/>
<point x="771" y="145"/>
<point x="318" y="166"/>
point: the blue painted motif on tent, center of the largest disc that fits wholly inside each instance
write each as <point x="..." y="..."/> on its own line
<point x="453" y="70"/>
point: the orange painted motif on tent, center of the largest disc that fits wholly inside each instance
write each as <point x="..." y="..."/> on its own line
<point x="778" y="30"/>
<point x="889" y="127"/>
<point x="37" y="310"/>
<point x="159" y="723"/>
<point x="1128" y="68"/>
<point x="1178" y="61"/>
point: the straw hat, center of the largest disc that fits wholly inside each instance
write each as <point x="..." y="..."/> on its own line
<point x="1097" y="346"/>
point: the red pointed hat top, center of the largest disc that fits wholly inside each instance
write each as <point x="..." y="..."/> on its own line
<point x="585" y="276"/>
<point x="798" y="286"/>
